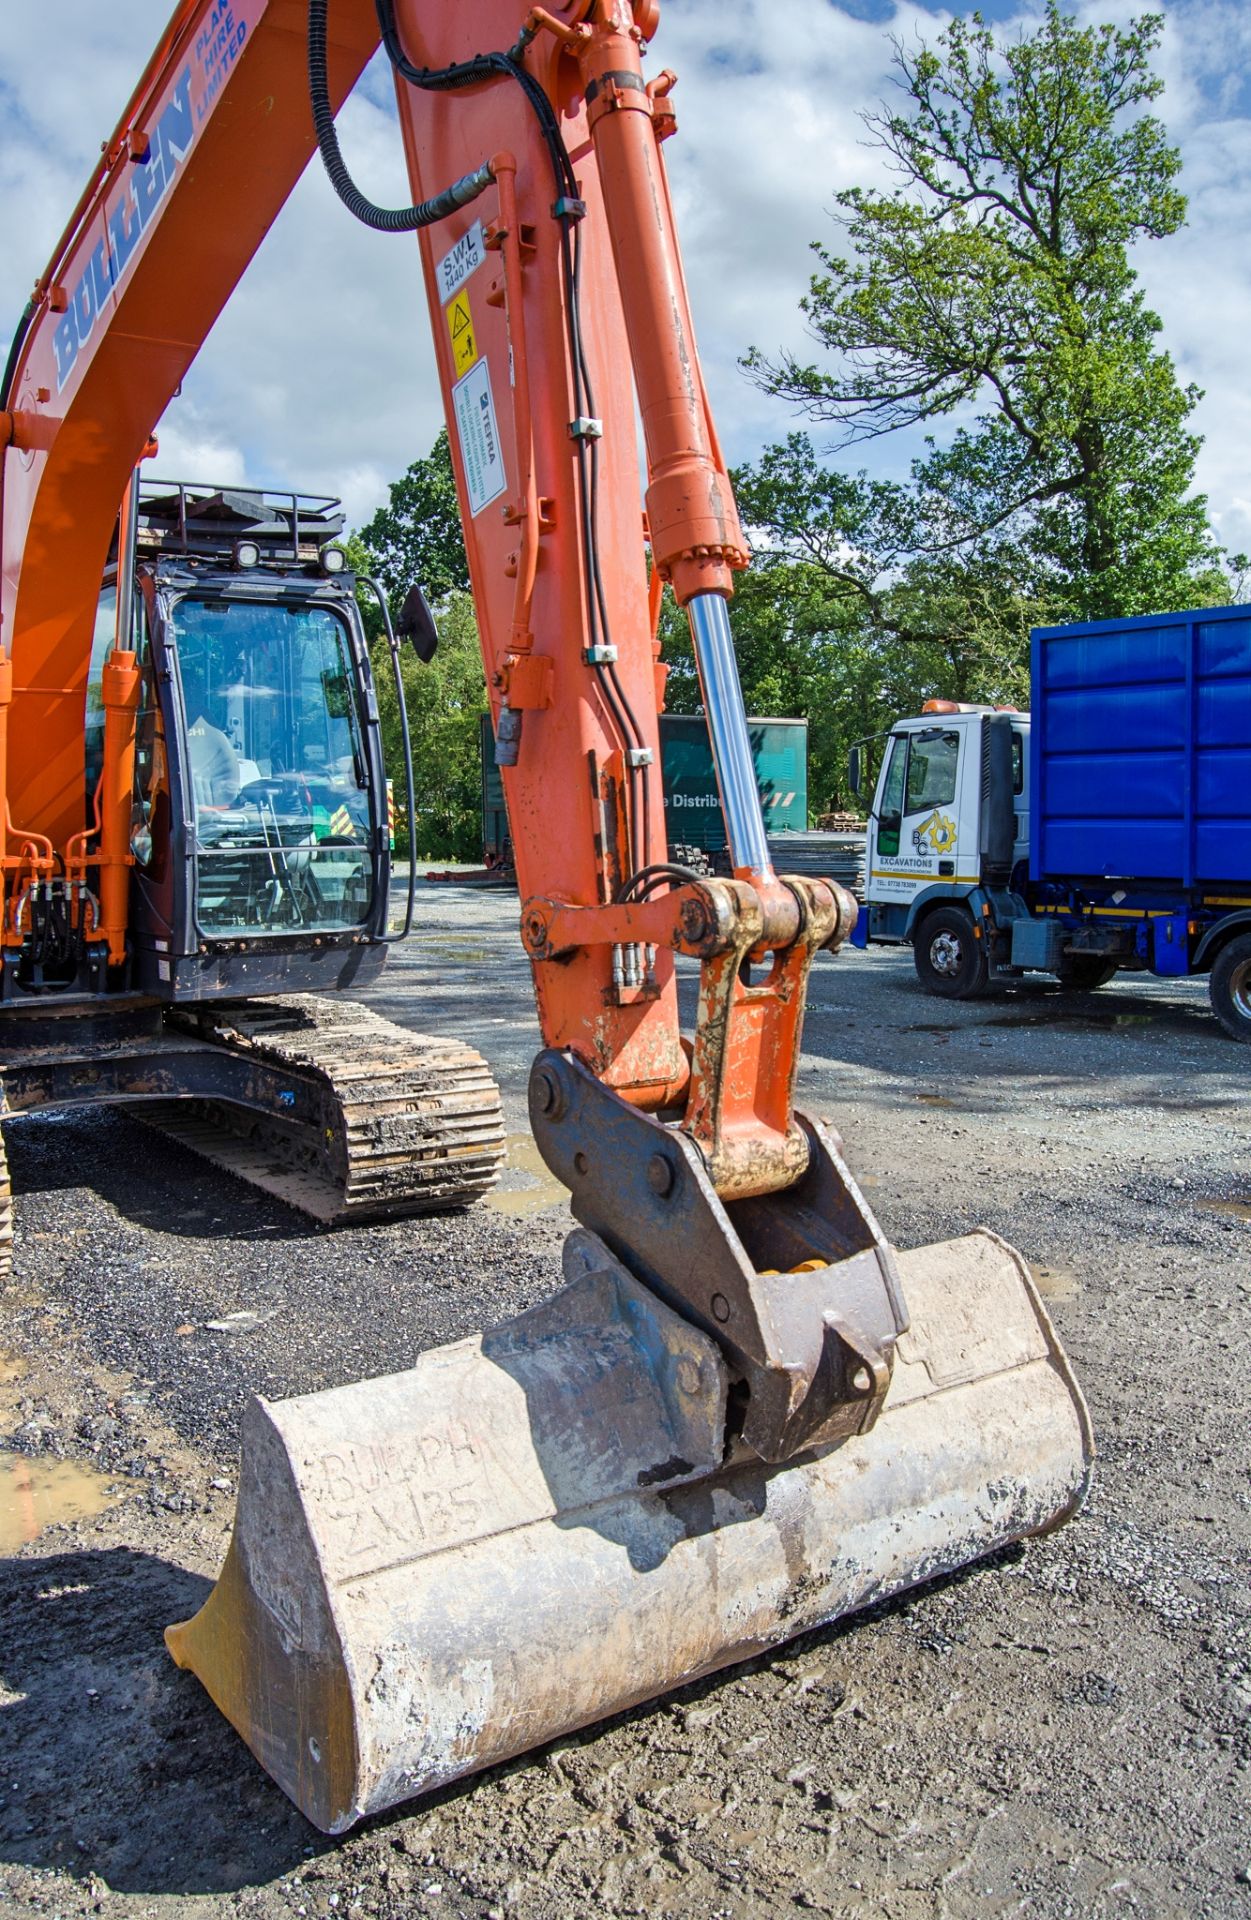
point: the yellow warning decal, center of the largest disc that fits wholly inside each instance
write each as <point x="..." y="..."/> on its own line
<point x="460" y="327"/>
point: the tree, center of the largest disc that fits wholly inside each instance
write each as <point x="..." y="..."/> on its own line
<point x="417" y="537"/>
<point x="996" y="275"/>
<point x="809" y="649"/>
<point x="966" y="611"/>
<point x="446" y="700"/>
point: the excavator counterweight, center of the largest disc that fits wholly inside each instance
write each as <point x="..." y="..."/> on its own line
<point x="744" y="1414"/>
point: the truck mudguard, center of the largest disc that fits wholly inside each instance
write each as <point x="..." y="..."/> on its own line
<point x="1216" y="936"/>
<point x="1005" y="906"/>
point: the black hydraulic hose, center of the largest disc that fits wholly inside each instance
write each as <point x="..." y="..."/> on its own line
<point x="15" y="347"/>
<point x="410" y="798"/>
<point x="648" y="878"/>
<point x="381" y="219"/>
<point x="467" y="73"/>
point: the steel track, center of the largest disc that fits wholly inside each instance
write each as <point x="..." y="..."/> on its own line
<point x="409" y="1122"/>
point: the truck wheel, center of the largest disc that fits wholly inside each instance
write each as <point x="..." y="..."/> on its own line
<point x="1229" y="987"/>
<point x="1083" y="972"/>
<point x="950" y="960"/>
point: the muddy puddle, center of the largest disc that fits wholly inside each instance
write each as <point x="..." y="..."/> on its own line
<point x="1053" y="1013"/>
<point x="35" y="1494"/>
<point x="1070" y="1022"/>
<point x="934" y="1099"/>
<point x="1056" y="1283"/>
<point x="541" y="1191"/>
<point x="460" y="947"/>
<point x="1229" y="1209"/>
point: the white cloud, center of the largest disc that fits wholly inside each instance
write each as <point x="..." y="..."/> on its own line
<point x="320" y="372"/>
<point x="190" y="446"/>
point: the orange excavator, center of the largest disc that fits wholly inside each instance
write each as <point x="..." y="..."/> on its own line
<point x="744" y="1414"/>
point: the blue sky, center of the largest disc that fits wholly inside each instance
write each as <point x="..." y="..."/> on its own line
<point x="769" y="132"/>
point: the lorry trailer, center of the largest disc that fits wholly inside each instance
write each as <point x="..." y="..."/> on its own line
<point x="1107" y="830"/>
<point x="693" y="816"/>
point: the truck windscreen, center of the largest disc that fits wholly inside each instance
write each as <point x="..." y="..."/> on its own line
<point x="276" y="769"/>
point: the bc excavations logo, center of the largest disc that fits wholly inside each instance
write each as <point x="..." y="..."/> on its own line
<point x="144" y="183"/>
<point x="936" y="834"/>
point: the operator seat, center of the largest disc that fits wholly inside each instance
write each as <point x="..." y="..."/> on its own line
<point x="215" y="773"/>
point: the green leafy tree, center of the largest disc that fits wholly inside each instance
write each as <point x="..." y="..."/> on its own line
<point x="417" y="538"/>
<point x="996" y="276"/>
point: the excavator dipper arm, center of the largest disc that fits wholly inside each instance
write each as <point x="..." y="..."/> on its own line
<point x="556" y="301"/>
<point x="724" y="1429"/>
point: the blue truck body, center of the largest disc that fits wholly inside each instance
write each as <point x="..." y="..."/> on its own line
<point x="1140" y="780"/>
<point x="1141" y="751"/>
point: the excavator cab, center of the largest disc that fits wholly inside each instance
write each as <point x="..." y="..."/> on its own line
<point x="259" y="821"/>
<point x="255" y="874"/>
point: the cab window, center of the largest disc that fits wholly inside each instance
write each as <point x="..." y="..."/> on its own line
<point x="1018" y="762"/>
<point x="276" y="766"/>
<point x="890" y="812"/>
<point x="932" y="765"/>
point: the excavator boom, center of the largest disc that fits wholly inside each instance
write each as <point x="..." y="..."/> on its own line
<point x="743" y="1415"/>
<point x="213" y="140"/>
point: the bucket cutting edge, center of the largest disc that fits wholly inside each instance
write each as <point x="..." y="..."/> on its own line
<point x="534" y="1529"/>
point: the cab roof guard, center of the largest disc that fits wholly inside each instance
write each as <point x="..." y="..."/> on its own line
<point x="179" y="516"/>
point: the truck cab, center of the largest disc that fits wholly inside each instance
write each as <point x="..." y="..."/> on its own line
<point x="949" y="820"/>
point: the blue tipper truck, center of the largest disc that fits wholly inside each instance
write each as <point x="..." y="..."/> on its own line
<point x="1108" y="829"/>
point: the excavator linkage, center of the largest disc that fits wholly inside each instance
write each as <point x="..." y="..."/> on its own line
<point x="541" y="1526"/>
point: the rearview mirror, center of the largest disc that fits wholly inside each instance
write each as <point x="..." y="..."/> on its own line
<point x="416" y="623"/>
<point x="855" y="772"/>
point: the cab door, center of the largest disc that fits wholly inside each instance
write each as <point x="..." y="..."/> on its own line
<point x="930" y="828"/>
<point x="914" y="831"/>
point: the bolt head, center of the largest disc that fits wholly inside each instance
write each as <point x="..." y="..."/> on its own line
<point x="694" y="920"/>
<point x="690" y="1375"/>
<point x="661" y="1173"/>
<point x="720" y="1308"/>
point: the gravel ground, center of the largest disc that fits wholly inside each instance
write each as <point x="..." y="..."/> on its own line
<point x="1065" y="1731"/>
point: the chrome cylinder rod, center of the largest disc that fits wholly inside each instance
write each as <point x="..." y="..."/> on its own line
<point x="727" y="729"/>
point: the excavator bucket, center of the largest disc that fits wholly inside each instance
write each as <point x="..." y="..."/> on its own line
<point x="542" y="1526"/>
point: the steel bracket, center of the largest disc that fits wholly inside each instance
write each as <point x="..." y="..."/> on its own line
<point x="798" y="1287"/>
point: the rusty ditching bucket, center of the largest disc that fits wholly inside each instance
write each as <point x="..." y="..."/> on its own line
<point x="531" y="1530"/>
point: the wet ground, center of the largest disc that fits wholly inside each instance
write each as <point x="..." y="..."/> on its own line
<point x="1066" y="1731"/>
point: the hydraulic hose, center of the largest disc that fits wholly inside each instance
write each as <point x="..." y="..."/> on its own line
<point x="15" y="347"/>
<point x="410" y="798"/>
<point x="381" y="219"/>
